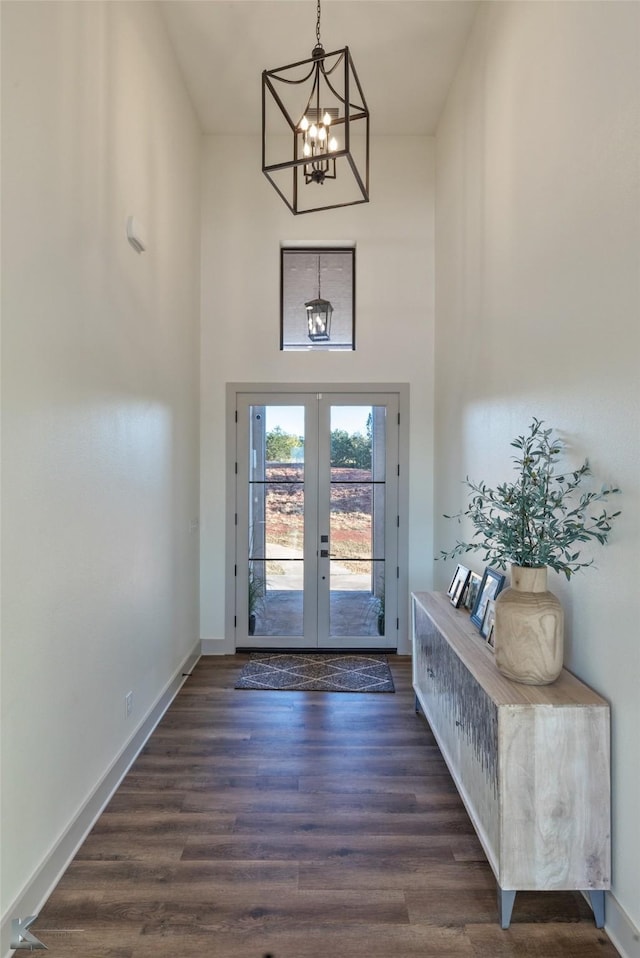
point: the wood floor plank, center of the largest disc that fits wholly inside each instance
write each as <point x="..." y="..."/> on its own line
<point x="145" y="780"/>
<point x="362" y="781"/>
<point x="530" y="941"/>
<point x="303" y="825"/>
<point x="143" y="823"/>
<point x="91" y="942"/>
<point x="165" y="877"/>
<point x="229" y="909"/>
<point x="150" y="801"/>
<point x="285" y="801"/>
<point x="321" y="940"/>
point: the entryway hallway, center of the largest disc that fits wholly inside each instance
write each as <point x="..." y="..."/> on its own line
<point x="298" y="824"/>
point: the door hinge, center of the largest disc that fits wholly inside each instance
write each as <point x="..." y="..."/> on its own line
<point x="397" y="522"/>
<point x="398" y="418"/>
<point x="236" y="415"/>
<point x="397" y="572"/>
<point x="398" y="468"/>
<point x="236" y="468"/>
<point x="236" y="518"/>
<point x="235" y="570"/>
<point x="397" y="624"/>
<point x="235" y="621"/>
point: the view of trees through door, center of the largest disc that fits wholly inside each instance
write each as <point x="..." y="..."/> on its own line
<point x="318" y="533"/>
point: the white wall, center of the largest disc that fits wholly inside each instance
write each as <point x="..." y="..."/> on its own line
<point x="100" y="402"/>
<point x="537" y="305"/>
<point x="244" y="225"/>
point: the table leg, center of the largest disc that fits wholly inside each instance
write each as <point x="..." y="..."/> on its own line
<point x="505" y="906"/>
<point x="596" y="900"/>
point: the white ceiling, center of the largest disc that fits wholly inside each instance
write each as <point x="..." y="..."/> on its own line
<point x="405" y="52"/>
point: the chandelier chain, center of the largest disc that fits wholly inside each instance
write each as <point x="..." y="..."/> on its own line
<point x="318" y="43"/>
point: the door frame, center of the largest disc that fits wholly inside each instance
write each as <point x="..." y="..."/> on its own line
<point x="401" y="391"/>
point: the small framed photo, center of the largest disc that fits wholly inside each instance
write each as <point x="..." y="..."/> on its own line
<point x="492" y="582"/>
<point x="486" y="630"/>
<point x="458" y="585"/>
<point x="471" y="593"/>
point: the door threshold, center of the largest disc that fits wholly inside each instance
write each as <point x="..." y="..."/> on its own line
<point x="305" y="651"/>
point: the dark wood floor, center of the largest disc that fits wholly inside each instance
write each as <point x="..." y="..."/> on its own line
<point x="299" y="824"/>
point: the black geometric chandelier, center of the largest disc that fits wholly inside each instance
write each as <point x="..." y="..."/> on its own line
<point x="315" y="131"/>
<point x="319" y="316"/>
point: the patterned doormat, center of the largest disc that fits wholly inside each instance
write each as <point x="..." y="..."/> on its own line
<point x="314" y="672"/>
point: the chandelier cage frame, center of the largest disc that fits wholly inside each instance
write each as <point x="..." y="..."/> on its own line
<point x="307" y="183"/>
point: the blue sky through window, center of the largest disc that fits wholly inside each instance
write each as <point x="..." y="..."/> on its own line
<point x="291" y="419"/>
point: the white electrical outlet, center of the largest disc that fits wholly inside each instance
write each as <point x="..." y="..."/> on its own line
<point x="128" y="704"/>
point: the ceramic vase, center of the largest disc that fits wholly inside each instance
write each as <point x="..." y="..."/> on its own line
<point x="529" y="629"/>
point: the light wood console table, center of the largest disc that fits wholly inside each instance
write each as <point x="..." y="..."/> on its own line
<point x="531" y="763"/>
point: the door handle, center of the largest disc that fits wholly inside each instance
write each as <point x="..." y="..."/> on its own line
<point x="324" y="553"/>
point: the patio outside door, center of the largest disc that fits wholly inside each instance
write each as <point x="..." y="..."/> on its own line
<point x="317" y="521"/>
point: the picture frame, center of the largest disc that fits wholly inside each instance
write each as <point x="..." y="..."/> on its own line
<point x="488" y="621"/>
<point x="471" y="592"/>
<point x="492" y="583"/>
<point x="458" y="585"/>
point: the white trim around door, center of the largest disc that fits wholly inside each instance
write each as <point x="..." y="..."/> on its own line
<point x="316" y="594"/>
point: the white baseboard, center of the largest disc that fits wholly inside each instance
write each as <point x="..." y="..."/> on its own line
<point x="216" y="647"/>
<point x="38" y="889"/>
<point x="620" y="928"/>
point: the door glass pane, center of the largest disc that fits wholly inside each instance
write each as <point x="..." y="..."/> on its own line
<point x="276" y="520"/>
<point x="356" y="511"/>
<point x="357" y="520"/>
<point x="284" y="520"/>
<point x="357" y="611"/>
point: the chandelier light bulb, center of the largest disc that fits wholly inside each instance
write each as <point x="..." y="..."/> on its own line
<point x="313" y="131"/>
<point x="322" y="134"/>
<point x="333" y="145"/>
<point x="304" y="124"/>
<point x="306" y="150"/>
<point x="326" y="119"/>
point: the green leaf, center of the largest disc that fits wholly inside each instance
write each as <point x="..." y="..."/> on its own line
<point x="538" y="517"/>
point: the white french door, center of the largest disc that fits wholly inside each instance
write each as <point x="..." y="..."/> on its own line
<point x="316" y="542"/>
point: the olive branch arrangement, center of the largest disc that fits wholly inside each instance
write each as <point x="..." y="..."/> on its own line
<point x="537" y="519"/>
